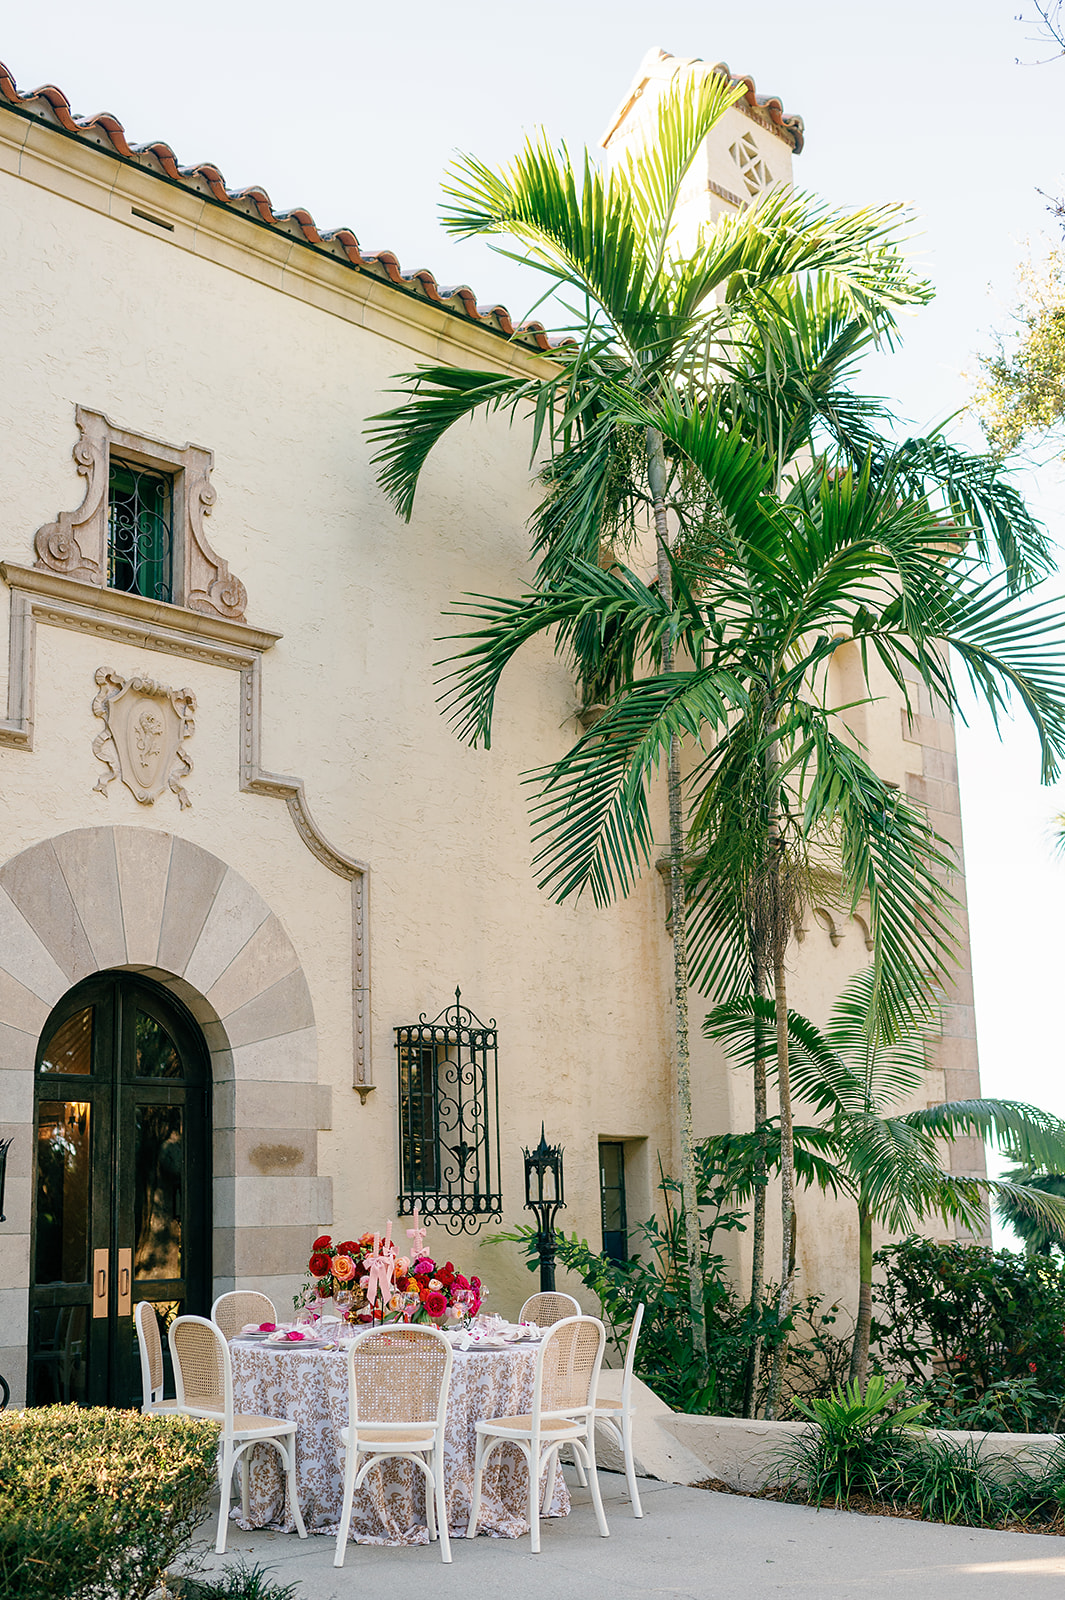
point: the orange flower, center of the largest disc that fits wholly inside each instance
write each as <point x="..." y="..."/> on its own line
<point x="343" y="1269"/>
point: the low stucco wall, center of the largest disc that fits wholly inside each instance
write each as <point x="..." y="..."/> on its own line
<point x="742" y="1452"/>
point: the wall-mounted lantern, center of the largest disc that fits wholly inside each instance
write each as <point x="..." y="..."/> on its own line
<point x="544" y="1195"/>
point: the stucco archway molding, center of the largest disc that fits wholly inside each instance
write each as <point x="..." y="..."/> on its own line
<point x="124" y="897"/>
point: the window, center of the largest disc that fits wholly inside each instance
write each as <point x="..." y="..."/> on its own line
<point x="140" y="528"/>
<point x="612" y="1200"/>
<point x="449" y="1118"/>
<point x="140" y="531"/>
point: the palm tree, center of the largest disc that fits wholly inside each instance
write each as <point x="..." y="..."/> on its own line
<point x="780" y="800"/>
<point x="856" y="1075"/>
<point x="649" y="317"/>
<point x="764" y="318"/>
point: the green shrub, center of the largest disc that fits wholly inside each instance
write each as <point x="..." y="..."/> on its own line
<point x="950" y="1482"/>
<point x="236" y="1583"/>
<point x="859" y="1444"/>
<point x="658" y="1276"/>
<point x="978" y="1333"/>
<point x="97" y="1503"/>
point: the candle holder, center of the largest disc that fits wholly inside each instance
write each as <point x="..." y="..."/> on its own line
<point x="545" y="1197"/>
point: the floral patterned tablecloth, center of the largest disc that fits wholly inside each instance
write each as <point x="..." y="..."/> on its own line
<point x="311" y="1387"/>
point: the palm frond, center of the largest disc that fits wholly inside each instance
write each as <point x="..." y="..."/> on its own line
<point x="436" y="398"/>
<point x="1033" y="1137"/>
<point x="590" y="810"/>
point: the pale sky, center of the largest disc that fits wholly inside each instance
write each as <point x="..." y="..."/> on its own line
<point x="354" y="111"/>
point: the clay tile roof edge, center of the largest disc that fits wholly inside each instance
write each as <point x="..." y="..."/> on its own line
<point x="658" y="63"/>
<point x="50" y="106"/>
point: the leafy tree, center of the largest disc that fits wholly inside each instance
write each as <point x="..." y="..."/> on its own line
<point x="856" y="1075"/>
<point x="1021" y="400"/>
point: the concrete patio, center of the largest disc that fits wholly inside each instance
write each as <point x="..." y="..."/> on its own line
<point x="691" y="1545"/>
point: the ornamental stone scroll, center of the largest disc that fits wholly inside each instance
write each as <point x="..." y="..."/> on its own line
<point x="147" y="725"/>
<point x="76" y="543"/>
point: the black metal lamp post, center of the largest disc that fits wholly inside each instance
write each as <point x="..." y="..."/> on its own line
<point x="545" y="1196"/>
<point x="5" y="1146"/>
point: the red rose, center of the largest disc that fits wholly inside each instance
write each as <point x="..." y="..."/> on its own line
<point x="446" y="1274"/>
<point x="461" y="1282"/>
<point x="475" y="1283"/>
<point x="322" y="1243"/>
<point x="401" y="1282"/>
<point x="435" y="1303"/>
<point x="350" y="1247"/>
<point x="319" y="1265"/>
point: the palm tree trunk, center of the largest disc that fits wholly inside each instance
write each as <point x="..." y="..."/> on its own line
<point x="779" y="938"/>
<point x="656" y="471"/>
<point x="761" y="1112"/>
<point x="859" y="1372"/>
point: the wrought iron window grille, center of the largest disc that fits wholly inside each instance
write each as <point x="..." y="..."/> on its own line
<point x="140" y="541"/>
<point x="449" y="1118"/>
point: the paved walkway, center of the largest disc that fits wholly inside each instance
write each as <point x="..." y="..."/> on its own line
<point x="690" y="1545"/>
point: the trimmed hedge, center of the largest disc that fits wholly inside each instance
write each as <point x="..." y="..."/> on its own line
<point x="95" y="1504"/>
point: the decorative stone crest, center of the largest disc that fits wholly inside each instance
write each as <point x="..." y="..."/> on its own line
<point x="146" y="726"/>
<point x="76" y="543"/>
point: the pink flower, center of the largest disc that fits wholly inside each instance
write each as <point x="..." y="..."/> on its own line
<point x="435" y="1303"/>
<point x="268" y="1327"/>
<point x="294" y="1334"/>
<point x="424" y="1267"/>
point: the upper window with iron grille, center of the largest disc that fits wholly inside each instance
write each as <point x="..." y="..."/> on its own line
<point x="140" y="531"/>
<point x="140" y="528"/>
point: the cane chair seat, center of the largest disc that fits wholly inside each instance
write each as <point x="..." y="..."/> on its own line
<point x="204" y="1377"/>
<point x="398" y="1381"/>
<point x="234" y="1310"/>
<point x="563" y="1413"/>
<point x="548" y="1307"/>
<point x="377" y="1438"/>
<point x="550" y="1427"/>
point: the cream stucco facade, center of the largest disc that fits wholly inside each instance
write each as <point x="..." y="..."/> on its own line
<point x="344" y="861"/>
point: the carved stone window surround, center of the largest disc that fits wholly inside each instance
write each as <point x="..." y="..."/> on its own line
<point x="47" y="597"/>
<point x="75" y="544"/>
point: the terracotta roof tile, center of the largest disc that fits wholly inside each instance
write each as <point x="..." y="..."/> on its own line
<point x="765" y="108"/>
<point x="50" y="105"/>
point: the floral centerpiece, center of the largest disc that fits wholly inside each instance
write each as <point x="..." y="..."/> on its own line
<point x="369" y="1280"/>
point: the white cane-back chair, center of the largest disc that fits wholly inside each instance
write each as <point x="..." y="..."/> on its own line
<point x="615" y="1416"/>
<point x="398" y="1381"/>
<point x="548" y="1307"/>
<point x="150" y="1344"/>
<point x="204" y="1376"/>
<point x="234" y="1310"/>
<point x="563" y="1413"/>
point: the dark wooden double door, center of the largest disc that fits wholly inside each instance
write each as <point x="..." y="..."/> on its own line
<point x="122" y="1185"/>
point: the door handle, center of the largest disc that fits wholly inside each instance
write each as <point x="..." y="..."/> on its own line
<point x="125" y="1283"/>
<point x="100" y="1272"/>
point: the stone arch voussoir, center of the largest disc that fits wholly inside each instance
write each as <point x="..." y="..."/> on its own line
<point x="125" y="897"/>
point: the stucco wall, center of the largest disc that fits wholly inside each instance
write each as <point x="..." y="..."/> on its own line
<point x="225" y="335"/>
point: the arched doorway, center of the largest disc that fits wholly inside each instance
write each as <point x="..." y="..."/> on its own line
<point x="121" y="1202"/>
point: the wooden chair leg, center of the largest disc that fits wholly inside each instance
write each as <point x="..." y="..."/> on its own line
<point x="226" y="1465"/>
<point x="478" y="1477"/>
<point x="630" y="1464"/>
<point x="350" y="1462"/>
<point x="438" y="1492"/>
<point x="534" y="1502"/>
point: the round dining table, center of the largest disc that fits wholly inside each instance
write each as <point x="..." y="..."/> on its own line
<point x="310" y="1387"/>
